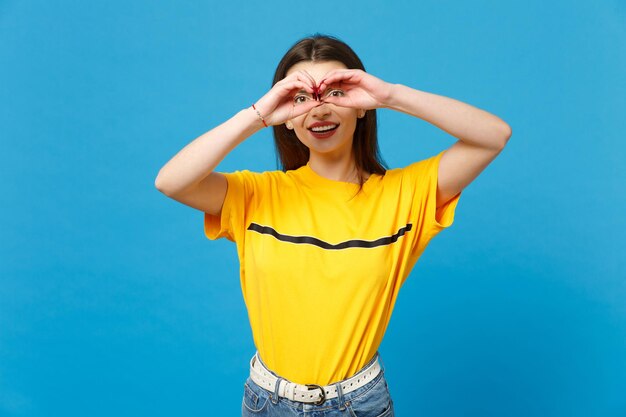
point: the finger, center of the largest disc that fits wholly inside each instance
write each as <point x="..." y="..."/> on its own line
<point x="324" y="88"/>
<point x="303" y="108"/>
<point x="310" y="78"/>
<point x="349" y="76"/>
<point x="337" y="71"/>
<point x="339" y="101"/>
<point x="305" y="78"/>
<point x="298" y="84"/>
<point x="294" y="78"/>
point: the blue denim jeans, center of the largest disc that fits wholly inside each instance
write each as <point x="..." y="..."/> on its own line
<point x="371" y="400"/>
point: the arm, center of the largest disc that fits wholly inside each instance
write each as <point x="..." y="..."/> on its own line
<point x="469" y="124"/>
<point x="482" y="136"/>
<point x="189" y="178"/>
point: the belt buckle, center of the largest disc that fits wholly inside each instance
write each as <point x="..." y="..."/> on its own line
<point x="321" y="400"/>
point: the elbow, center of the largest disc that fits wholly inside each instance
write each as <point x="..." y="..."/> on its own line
<point x="159" y="183"/>
<point x="168" y="185"/>
<point x="159" y="186"/>
<point x="504" y="134"/>
<point x="508" y="131"/>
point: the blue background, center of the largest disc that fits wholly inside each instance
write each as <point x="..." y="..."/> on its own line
<point x="113" y="302"/>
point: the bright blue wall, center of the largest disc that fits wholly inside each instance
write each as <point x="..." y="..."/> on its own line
<point x="112" y="301"/>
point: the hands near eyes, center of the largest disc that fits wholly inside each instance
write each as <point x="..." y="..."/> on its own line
<point x="277" y="105"/>
<point x="298" y="93"/>
<point x="357" y="89"/>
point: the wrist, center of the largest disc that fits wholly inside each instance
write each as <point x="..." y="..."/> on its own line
<point x="259" y="115"/>
<point x="391" y="99"/>
<point x="250" y="120"/>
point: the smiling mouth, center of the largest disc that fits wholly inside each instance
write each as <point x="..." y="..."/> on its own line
<point x="323" y="129"/>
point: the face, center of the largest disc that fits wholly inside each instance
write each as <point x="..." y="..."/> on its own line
<point x="327" y="129"/>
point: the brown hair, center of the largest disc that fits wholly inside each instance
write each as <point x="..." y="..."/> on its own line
<point x="292" y="154"/>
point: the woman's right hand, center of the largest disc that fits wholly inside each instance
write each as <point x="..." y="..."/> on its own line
<point x="278" y="105"/>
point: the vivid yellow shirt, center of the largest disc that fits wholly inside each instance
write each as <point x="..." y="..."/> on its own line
<point x="321" y="266"/>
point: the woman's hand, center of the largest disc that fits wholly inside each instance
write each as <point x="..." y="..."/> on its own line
<point x="355" y="88"/>
<point x="278" y="105"/>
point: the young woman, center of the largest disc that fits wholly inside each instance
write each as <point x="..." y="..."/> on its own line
<point x="326" y="243"/>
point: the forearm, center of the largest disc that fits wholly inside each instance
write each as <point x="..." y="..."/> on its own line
<point x="200" y="157"/>
<point x="463" y="121"/>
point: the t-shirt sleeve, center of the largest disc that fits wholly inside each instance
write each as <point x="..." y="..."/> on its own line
<point x="427" y="219"/>
<point x="239" y="204"/>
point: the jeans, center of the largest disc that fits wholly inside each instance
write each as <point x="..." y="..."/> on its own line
<point x="371" y="400"/>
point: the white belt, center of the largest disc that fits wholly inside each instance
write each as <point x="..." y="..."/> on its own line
<point x="309" y="393"/>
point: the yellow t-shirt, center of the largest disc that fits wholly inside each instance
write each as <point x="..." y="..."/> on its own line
<point x="321" y="268"/>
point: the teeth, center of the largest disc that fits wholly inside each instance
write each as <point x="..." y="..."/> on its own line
<point x="323" y="128"/>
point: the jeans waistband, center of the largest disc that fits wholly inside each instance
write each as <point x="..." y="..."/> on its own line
<point x="311" y="393"/>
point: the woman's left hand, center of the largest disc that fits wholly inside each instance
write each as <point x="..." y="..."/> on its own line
<point x="357" y="89"/>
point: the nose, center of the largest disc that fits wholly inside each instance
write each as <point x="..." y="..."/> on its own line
<point x="321" y="111"/>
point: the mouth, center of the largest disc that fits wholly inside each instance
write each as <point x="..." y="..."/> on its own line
<point x="323" y="130"/>
<point x="323" y="127"/>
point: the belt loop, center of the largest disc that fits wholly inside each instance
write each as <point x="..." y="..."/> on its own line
<point x="382" y="365"/>
<point x="275" y="398"/>
<point x="342" y="406"/>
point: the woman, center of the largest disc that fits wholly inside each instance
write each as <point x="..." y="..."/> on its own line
<point x="326" y="243"/>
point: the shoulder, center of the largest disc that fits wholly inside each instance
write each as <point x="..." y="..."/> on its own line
<point x="246" y="174"/>
<point x="423" y="167"/>
<point x="258" y="179"/>
<point x="413" y="173"/>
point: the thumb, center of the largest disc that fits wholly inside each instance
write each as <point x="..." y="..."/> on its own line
<point x="338" y="101"/>
<point x="303" y="108"/>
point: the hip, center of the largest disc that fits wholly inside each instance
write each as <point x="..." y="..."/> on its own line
<point x="276" y="396"/>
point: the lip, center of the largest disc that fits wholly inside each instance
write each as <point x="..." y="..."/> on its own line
<point x="323" y="135"/>
<point x="318" y="124"/>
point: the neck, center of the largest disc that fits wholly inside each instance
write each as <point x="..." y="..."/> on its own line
<point x="337" y="168"/>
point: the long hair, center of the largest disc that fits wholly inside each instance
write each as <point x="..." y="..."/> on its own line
<point x="292" y="154"/>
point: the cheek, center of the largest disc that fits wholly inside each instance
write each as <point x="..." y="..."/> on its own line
<point x="301" y="133"/>
<point x="349" y="115"/>
<point x="350" y="119"/>
<point x="299" y="121"/>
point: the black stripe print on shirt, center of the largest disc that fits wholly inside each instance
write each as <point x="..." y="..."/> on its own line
<point x="355" y="243"/>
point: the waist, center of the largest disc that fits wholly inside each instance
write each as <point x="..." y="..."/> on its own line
<point x="312" y="393"/>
